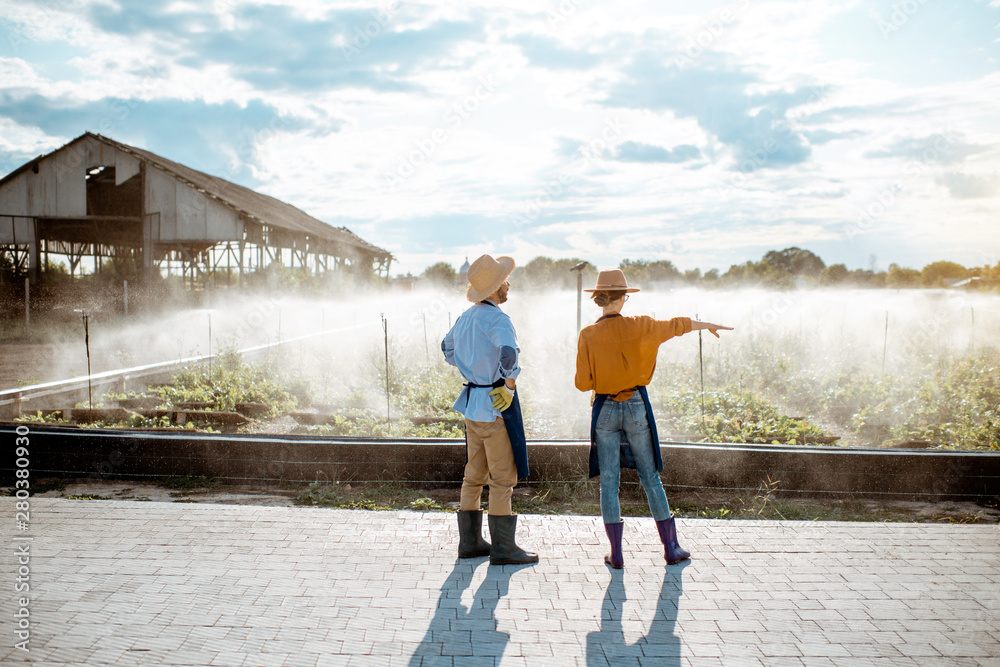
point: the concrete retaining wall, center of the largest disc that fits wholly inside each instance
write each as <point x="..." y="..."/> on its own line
<point x="253" y="459"/>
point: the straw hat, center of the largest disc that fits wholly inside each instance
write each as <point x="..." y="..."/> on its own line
<point x="486" y="275"/>
<point x="612" y="280"/>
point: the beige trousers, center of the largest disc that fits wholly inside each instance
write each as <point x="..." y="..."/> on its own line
<point x="491" y="461"/>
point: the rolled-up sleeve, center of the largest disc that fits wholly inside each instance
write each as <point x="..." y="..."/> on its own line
<point x="448" y="348"/>
<point x="676" y="326"/>
<point x="503" y="337"/>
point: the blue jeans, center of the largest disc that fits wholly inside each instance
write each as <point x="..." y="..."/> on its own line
<point x="626" y="420"/>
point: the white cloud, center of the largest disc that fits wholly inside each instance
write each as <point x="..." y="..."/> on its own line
<point x="226" y="70"/>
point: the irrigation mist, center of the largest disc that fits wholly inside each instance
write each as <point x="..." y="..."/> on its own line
<point x="872" y="333"/>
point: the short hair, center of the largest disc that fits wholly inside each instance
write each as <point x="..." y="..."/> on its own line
<point x="604" y="297"/>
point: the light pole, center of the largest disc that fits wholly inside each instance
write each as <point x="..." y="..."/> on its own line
<point x="579" y="290"/>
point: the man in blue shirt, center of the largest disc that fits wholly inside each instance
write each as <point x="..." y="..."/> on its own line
<point x="483" y="346"/>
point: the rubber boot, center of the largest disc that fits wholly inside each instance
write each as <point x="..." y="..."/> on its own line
<point x="504" y="551"/>
<point x="615" y="558"/>
<point x="668" y="535"/>
<point x="470" y="535"/>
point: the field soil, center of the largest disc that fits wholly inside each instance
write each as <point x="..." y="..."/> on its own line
<point x="24" y="363"/>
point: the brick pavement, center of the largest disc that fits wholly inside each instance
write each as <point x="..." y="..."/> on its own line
<point x="147" y="583"/>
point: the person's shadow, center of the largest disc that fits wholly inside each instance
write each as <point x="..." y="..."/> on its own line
<point x="459" y="632"/>
<point x="607" y="646"/>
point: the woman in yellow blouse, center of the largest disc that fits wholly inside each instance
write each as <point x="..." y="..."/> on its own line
<point x="616" y="357"/>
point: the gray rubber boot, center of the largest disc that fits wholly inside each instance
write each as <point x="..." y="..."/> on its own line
<point x="504" y="551"/>
<point x="470" y="535"/>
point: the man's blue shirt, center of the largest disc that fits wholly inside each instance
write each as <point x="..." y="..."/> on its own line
<point x="483" y="346"/>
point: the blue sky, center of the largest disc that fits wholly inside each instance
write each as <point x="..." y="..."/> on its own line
<point x="705" y="133"/>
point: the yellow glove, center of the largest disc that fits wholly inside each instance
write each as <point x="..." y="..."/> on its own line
<point x="502" y="397"/>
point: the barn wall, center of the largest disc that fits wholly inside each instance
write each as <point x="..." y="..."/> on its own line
<point x="15" y="229"/>
<point x="161" y="197"/>
<point x="187" y="214"/>
<point x="59" y="189"/>
<point x="222" y="222"/>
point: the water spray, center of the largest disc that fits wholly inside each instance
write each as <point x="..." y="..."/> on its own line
<point x="427" y="351"/>
<point x="210" y="347"/>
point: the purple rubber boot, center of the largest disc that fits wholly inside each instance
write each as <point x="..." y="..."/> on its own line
<point x="614" y="531"/>
<point x="668" y="535"/>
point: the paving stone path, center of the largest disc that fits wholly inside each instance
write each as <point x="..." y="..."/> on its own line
<point x="148" y="583"/>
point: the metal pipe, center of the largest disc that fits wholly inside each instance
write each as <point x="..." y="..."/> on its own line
<point x="579" y="292"/>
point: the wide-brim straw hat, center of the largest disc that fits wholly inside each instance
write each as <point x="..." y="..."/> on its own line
<point x="612" y="280"/>
<point x="486" y="275"/>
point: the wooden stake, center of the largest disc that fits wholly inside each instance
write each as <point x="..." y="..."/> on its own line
<point x="385" y="330"/>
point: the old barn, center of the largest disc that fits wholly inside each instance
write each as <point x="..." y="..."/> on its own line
<point x="96" y="199"/>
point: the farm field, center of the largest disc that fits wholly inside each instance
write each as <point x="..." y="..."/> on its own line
<point x="911" y="368"/>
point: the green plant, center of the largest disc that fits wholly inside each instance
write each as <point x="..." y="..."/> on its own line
<point x="39" y="418"/>
<point x="231" y="381"/>
<point x="319" y="494"/>
<point x="426" y="505"/>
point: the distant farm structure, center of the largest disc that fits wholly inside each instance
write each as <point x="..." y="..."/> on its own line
<point x="120" y="206"/>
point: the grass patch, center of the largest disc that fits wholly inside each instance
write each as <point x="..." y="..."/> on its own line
<point x="580" y="497"/>
<point x="367" y="496"/>
<point x="42" y="486"/>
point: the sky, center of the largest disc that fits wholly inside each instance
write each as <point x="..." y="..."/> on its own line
<point x="708" y="133"/>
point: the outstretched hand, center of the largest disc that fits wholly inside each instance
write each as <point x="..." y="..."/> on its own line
<point x="715" y="328"/>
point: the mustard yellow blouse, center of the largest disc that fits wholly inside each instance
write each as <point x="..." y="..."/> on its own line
<point x="618" y="352"/>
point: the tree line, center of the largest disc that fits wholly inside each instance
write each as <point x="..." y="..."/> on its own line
<point x="788" y="268"/>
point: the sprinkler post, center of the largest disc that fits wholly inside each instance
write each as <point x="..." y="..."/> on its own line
<point x="579" y="291"/>
<point x="972" y="329"/>
<point x="885" y="341"/>
<point x="701" y="371"/>
<point x="385" y="331"/>
<point x="86" y="342"/>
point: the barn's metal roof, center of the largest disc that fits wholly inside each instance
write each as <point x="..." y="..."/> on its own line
<point x="259" y="207"/>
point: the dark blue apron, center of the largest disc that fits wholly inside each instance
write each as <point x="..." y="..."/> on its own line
<point x="514" y="422"/>
<point x="512" y="419"/>
<point x="626" y="459"/>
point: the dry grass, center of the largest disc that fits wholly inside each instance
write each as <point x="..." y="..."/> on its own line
<point x="573" y="498"/>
